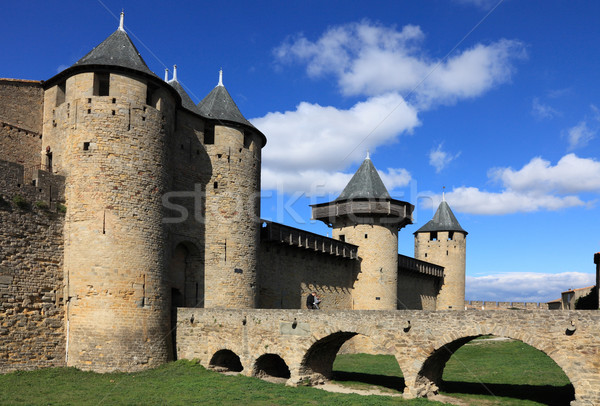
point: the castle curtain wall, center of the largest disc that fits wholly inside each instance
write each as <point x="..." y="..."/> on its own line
<point x="21" y="121"/>
<point x="288" y="274"/>
<point x="415" y="291"/>
<point x="31" y="273"/>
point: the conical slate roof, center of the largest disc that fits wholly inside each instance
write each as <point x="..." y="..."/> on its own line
<point x="116" y="50"/>
<point x="443" y="220"/>
<point x="365" y="184"/>
<point x="220" y="106"/>
<point x="186" y="100"/>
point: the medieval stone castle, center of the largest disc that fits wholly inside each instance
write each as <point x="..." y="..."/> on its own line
<point x="121" y="200"/>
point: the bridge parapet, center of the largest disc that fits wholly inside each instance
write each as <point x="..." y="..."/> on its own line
<point x="306" y="341"/>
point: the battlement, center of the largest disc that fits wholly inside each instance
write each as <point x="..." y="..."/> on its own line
<point x="303" y="239"/>
<point x="488" y="305"/>
<point x="32" y="184"/>
<point x="415" y="265"/>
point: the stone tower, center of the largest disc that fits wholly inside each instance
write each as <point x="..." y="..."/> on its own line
<point x="442" y="241"/>
<point x="365" y="215"/>
<point x="233" y="146"/>
<point x="106" y="122"/>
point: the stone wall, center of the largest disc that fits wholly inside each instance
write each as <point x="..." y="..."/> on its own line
<point x="31" y="271"/>
<point x="417" y="291"/>
<point x="287" y="274"/>
<point x="21" y="122"/>
<point x="489" y="305"/>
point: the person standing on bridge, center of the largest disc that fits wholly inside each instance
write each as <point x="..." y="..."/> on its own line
<point x="310" y="300"/>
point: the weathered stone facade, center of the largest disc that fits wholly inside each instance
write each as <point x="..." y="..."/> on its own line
<point x="301" y="344"/>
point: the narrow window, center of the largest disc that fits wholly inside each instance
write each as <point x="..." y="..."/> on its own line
<point x="209" y="134"/>
<point x="450" y="235"/>
<point x="101" y="84"/>
<point x="366" y="236"/>
<point x="342" y="237"/>
<point x="433" y="236"/>
<point x="216" y="185"/>
<point x="61" y="93"/>
<point x="446" y="252"/>
<point x="86" y="146"/>
<point x="113" y="112"/>
<point x="425" y="255"/>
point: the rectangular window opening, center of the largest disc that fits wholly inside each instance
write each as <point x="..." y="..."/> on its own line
<point x="366" y="236"/>
<point x="209" y="134"/>
<point x="342" y="237"/>
<point x="61" y="93"/>
<point x="86" y="146"/>
<point x="216" y="185"/>
<point x="101" y="84"/>
<point x="450" y="235"/>
<point x="433" y="236"/>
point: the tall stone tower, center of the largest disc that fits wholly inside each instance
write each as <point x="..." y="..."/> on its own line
<point x="365" y="215"/>
<point x="234" y="146"/>
<point x="442" y="241"/>
<point x="106" y="123"/>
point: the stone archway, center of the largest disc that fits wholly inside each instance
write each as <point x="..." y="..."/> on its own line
<point x="226" y="361"/>
<point x="186" y="276"/>
<point x="429" y="377"/>
<point x="271" y="365"/>
<point x="320" y="356"/>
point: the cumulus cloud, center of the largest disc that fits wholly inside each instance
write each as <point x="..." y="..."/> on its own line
<point x="538" y="185"/>
<point x="579" y="135"/>
<point x="370" y="59"/>
<point x="542" y="111"/>
<point x="328" y="140"/>
<point x="439" y="158"/>
<point x="524" y="286"/>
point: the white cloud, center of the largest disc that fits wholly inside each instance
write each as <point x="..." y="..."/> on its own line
<point x="579" y="135"/>
<point x="483" y="4"/>
<point x="439" y="159"/>
<point x="542" y="111"/>
<point x="525" y="286"/>
<point x="570" y="175"/>
<point x="537" y="186"/>
<point x="327" y="140"/>
<point x="370" y="59"/>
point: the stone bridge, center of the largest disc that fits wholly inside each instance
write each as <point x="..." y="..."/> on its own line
<point x="301" y="345"/>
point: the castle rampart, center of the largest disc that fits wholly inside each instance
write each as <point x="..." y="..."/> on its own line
<point x="31" y="278"/>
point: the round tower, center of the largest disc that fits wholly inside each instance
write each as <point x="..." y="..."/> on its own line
<point x="232" y="217"/>
<point x="106" y="122"/>
<point x="443" y="241"/>
<point x="365" y="215"/>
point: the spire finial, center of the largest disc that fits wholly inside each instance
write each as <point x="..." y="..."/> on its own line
<point x="443" y="193"/>
<point x="368" y="155"/>
<point x="166" y="74"/>
<point x="174" y="73"/>
<point x="121" y="21"/>
<point x="220" y="77"/>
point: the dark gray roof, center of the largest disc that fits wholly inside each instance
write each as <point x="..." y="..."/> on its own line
<point x="443" y="220"/>
<point x="365" y="184"/>
<point x="186" y="100"/>
<point x="116" y="50"/>
<point x="219" y="105"/>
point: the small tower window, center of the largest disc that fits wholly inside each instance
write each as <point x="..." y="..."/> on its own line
<point x="433" y="236"/>
<point x="101" y="84"/>
<point x="342" y="237"/>
<point x="366" y="236"/>
<point x="216" y="185"/>
<point x="86" y="146"/>
<point x="61" y="93"/>
<point x="209" y="134"/>
<point x="450" y="235"/>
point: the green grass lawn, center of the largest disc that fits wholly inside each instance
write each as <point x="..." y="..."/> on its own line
<point x="513" y="372"/>
<point x="482" y="372"/>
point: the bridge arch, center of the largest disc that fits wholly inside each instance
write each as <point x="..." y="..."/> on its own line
<point x="226" y="360"/>
<point x="271" y="365"/>
<point x="429" y="377"/>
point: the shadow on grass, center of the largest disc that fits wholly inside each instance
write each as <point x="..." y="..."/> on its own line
<point x="544" y="394"/>
<point x="390" y="382"/>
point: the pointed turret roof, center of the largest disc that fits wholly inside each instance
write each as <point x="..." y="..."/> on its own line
<point x="186" y="100"/>
<point x="219" y="105"/>
<point x="443" y="220"/>
<point x="365" y="184"/>
<point x="116" y="50"/>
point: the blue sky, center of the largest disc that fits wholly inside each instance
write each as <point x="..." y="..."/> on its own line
<point x="495" y="101"/>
